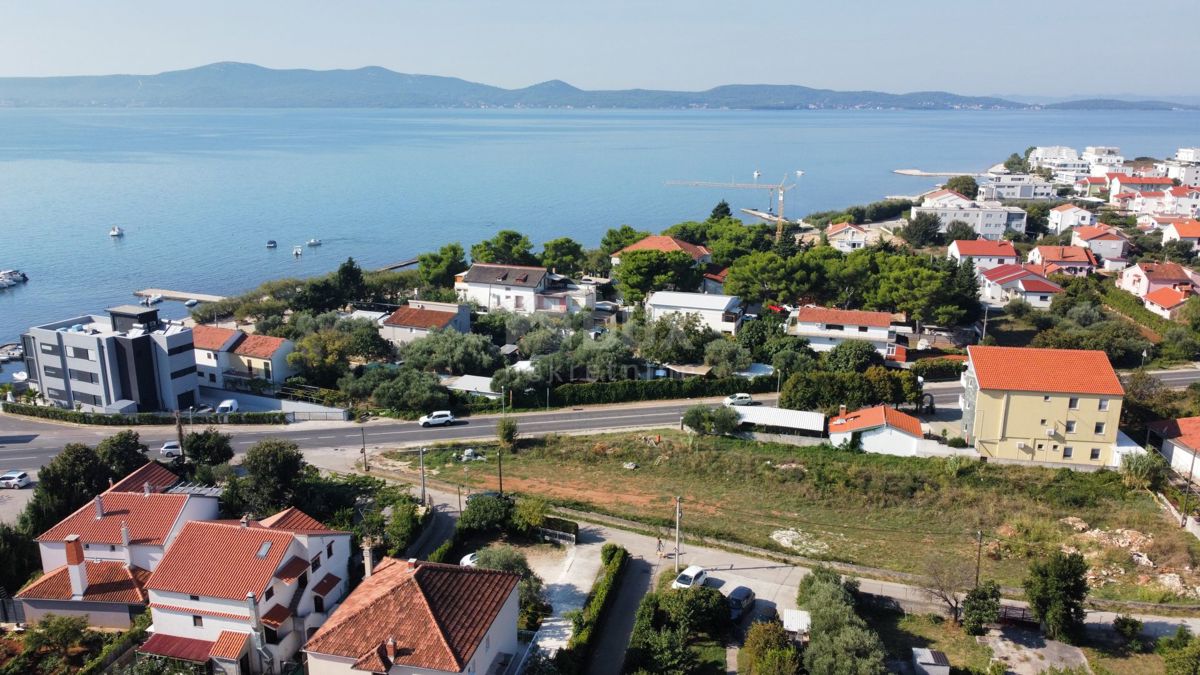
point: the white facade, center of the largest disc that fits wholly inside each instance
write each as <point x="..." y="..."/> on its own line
<point x="722" y="313"/>
<point x="524" y="290"/>
<point x="846" y="237"/>
<point x="881" y="441"/>
<point x="989" y="219"/>
<point x="1015" y="186"/>
<point x="1111" y="246"/>
<point x="825" y="329"/>
<point x="981" y="261"/>
<point x="1188" y="232"/>
<point x="401" y="332"/>
<point x="1065" y="217"/>
<point x="1102" y="157"/>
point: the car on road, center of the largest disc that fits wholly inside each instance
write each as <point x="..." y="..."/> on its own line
<point x="15" y="480"/>
<point x="692" y="577"/>
<point x="204" y="410"/>
<point x="170" y="449"/>
<point x="739" y="399"/>
<point x="437" y="418"/>
<point x="229" y="405"/>
<point x="470" y="559"/>
<point x="741" y="603"/>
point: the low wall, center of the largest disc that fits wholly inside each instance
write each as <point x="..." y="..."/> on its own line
<point x="783" y="439"/>
<point x="1192" y="525"/>
<point x="297" y="411"/>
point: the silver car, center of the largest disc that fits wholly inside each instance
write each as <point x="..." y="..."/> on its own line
<point x="15" y="480"/>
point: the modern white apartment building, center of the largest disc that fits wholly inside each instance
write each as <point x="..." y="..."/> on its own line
<point x="1184" y="166"/>
<point x="989" y="219"/>
<point x="1015" y="186"/>
<point x="1067" y="216"/>
<point x="1102" y="156"/>
<point x="1065" y="163"/>
<point x="722" y="313"/>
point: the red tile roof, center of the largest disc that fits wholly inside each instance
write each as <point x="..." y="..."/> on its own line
<point x="985" y="247"/>
<point x="419" y="318"/>
<point x="149" y="518"/>
<point x="1090" y="180"/>
<point x="871" y="418"/>
<point x="276" y="616"/>
<point x="837" y="228"/>
<point x="220" y="561"/>
<point x="259" y="346"/>
<point x="326" y="584"/>
<point x="1188" y="228"/>
<point x="174" y="647"/>
<point x="200" y="610"/>
<point x="853" y="317"/>
<point x="944" y="192"/>
<point x="158" y="476"/>
<point x="1167" y="297"/>
<point x="293" y="519"/>
<point x="1004" y="273"/>
<point x="437" y="615"/>
<point x="1066" y="254"/>
<point x="108" y="581"/>
<point x="1184" y="431"/>
<point x="211" y="338"/>
<point x="659" y="242"/>
<point x="1052" y="371"/>
<point x="1164" y="272"/>
<point x="716" y="273"/>
<point x="229" y="645"/>
<point x="1039" y="285"/>
<point x="292" y="569"/>
<point x="1091" y="232"/>
<point x="1142" y="180"/>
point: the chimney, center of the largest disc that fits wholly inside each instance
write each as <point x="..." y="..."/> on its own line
<point x="245" y="520"/>
<point x="146" y="489"/>
<point x="125" y="543"/>
<point x="842" y="409"/>
<point x="368" y="560"/>
<point x="99" y="508"/>
<point x="76" y="567"/>
<point x="391" y="648"/>
<point x="255" y="618"/>
<point x="412" y="563"/>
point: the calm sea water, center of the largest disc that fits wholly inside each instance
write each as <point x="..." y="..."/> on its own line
<point x="199" y="192"/>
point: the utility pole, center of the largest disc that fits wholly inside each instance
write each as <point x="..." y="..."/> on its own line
<point x="366" y="463"/>
<point x="1187" y="493"/>
<point x="422" y="451"/>
<point x="179" y="432"/>
<point x="547" y="398"/>
<point x="500" y="468"/>
<point x="978" y="554"/>
<point x="459" y="498"/>
<point x="678" y="517"/>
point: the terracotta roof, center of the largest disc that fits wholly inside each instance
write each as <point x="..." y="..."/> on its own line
<point x="108" y="581"/>
<point x="811" y="314"/>
<point x="1164" y="272"/>
<point x="158" y="476"/>
<point x="174" y="647"/>
<point x="661" y="242"/>
<point x="200" y="610"/>
<point x="508" y="275"/>
<point x="437" y="615"/>
<point x="292" y="569"/>
<point x="1188" y="228"/>
<point x="293" y="519"/>
<point x="1090" y="232"/>
<point x="259" y="346"/>
<point x="985" y="247"/>
<point x="1167" y="297"/>
<point x="1142" y="180"/>
<point x="1066" y="254"/>
<point x="1185" y="431"/>
<point x="229" y="645"/>
<point x="838" y="228"/>
<point x="1043" y="269"/>
<point x="1053" y="371"/>
<point x="211" y="338"/>
<point x="944" y="192"/>
<point x="1002" y="274"/>
<point x="879" y="416"/>
<point x="149" y="518"/>
<point x="716" y="273"/>
<point x="277" y="615"/>
<point x="1090" y="180"/>
<point x="220" y="561"/>
<point x="326" y="584"/>
<point x="419" y="318"/>
<point x="1039" y="285"/>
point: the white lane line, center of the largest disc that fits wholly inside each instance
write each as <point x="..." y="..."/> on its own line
<point x="14" y="459"/>
<point x="329" y="437"/>
<point x="302" y="438"/>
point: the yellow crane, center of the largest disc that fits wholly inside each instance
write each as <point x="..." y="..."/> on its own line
<point x="778" y="190"/>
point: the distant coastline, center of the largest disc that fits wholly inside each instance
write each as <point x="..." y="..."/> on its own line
<point x="243" y="85"/>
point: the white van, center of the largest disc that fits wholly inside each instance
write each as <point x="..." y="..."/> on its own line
<point x="229" y="405"/>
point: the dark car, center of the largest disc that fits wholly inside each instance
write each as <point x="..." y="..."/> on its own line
<point x="741" y="602"/>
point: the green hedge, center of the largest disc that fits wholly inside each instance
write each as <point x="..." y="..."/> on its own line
<point x="561" y="525"/>
<point x="439" y="554"/>
<point x="587" y="622"/>
<point x="637" y="656"/>
<point x="140" y="419"/>
<point x="113" y="650"/>
<point x="934" y="370"/>
<point x="1129" y="305"/>
<point x="665" y="388"/>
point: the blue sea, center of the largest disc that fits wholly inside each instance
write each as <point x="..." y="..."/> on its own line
<point x="199" y="192"/>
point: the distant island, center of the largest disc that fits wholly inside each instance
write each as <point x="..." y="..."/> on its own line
<point x="243" y="85"/>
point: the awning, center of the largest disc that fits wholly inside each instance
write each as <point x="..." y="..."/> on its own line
<point x="326" y="584"/>
<point x="276" y="616"/>
<point x="174" y="647"/>
<point x="292" y="569"/>
<point x="766" y="416"/>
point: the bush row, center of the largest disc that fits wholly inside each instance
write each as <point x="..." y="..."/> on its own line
<point x="939" y="370"/>
<point x="648" y="390"/>
<point x="561" y="525"/>
<point x="140" y="419"/>
<point x="587" y="622"/>
<point x="115" y="649"/>
<point x="1129" y="305"/>
<point x="637" y="656"/>
<point x="440" y="553"/>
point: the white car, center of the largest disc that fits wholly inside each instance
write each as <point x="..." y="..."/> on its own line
<point x="692" y="577"/>
<point x="470" y="560"/>
<point x="437" y="418"/>
<point x="739" y="399"/>
<point x="170" y="449"/>
<point x="15" y="480"/>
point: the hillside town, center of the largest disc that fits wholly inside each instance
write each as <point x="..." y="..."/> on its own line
<point x="998" y="374"/>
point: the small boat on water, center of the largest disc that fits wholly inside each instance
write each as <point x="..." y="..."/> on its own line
<point x="271" y="243"/>
<point x="12" y="278"/>
<point x="152" y="300"/>
<point x="314" y="242"/>
<point x="191" y="303"/>
<point x="297" y="251"/>
<point x="20" y="376"/>
<point x="116" y="231"/>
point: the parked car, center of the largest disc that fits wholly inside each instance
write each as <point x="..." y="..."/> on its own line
<point x="15" y="480"/>
<point x="170" y="449"/>
<point x="437" y="418"/>
<point x="229" y="405"/>
<point x="741" y="603"/>
<point x="204" y="410"/>
<point x="692" y="577"/>
<point x="739" y="399"/>
<point x="470" y="559"/>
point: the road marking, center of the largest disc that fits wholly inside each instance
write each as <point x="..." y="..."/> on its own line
<point x="14" y="459"/>
<point x="329" y="437"/>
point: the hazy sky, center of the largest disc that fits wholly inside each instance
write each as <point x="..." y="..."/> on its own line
<point x="1038" y="47"/>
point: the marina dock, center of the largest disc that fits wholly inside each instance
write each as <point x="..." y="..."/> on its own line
<point x="178" y="296"/>
<point x="937" y="174"/>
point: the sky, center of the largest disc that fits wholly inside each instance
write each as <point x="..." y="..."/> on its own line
<point x="976" y="47"/>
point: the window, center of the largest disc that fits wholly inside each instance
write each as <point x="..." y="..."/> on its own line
<point x="329" y="550"/>
<point x="1042" y="422"/>
<point x="83" y="376"/>
<point x="270" y="635"/>
<point x="318" y="604"/>
<point x="269" y="594"/>
<point x="1045" y="399"/>
<point x="1067" y="452"/>
<point x="51" y="371"/>
<point x="1099" y="427"/>
<point x="1071" y="427"/>
<point x="1073" y="403"/>
<point x="50" y="349"/>
<point x="1103" y="404"/>
<point x="193" y="597"/>
<point x="316" y="562"/>
<point x="197" y="621"/>
<point x="81" y="354"/>
<point x="86" y="399"/>
<point x="1095" y="453"/>
<point x="183" y="371"/>
<point x="180" y="349"/>
<point x="56" y="394"/>
<point x="834" y="326"/>
<point x="862" y="329"/>
<point x="112" y="548"/>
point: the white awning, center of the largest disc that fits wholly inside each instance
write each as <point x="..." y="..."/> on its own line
<point x="767" y="416"/>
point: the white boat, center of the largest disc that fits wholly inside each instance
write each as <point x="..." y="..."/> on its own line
<point x="20" y="376"/>
<point x="116" y="231"/>
<point x="191" y="303"/>
<point x="12" y="278"/>
<point x="314" y="242"/>
<point x="154" y="299"/>
<point x="297" y="251"/>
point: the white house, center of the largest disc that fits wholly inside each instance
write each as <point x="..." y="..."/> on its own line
<point x="722" y="313"/>
<point x="1119" y="183"/>
<point x="929" y="662"/>
<point x="989" y="219"/>
<point x="1064" y="162"/>
<point x="881" y="430"/>
<point x="1067" y="216"/>
<point x="230" y="359"/>
<point x="523" y="289"/>
<point x="1101" y="157"/>
<point x="983" y="253"/>
<point x="1015" y="186"/>
<point x="1166" y="302"/>
<point x="1073" y="260"/>
<point x="999" y="285"/>
<point x="1105" y="242"/>
<point x="1179" y="442"/>
<point x="419" y="318"/>
<point x="1184" y="166"/>
<point x="1188" y="231"/>
<point x="665" y="244"/>
<point x="826" y="328"/>
<point x="245" y="597"/>
<point x="421" y="618"/>
<point x="714" y="279"/>
<point x="1149" y="222"/>
<point x="1147" y="277"/>
<point x="846" y="237"/>
<point x="1180" y="201"/>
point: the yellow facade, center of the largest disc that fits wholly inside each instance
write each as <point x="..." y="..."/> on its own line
<point x="1076" y="429"/>
<point x="250" y="366"/>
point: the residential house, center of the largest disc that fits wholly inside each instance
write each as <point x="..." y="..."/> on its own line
<point x="129" y="361"/>
<point x="1067" y="216"/>
<point x="1180" y="201"/>
<point x="1119" y="183"/>
<point x="665" y="244"/>
<point x="1091" y="186"/>
<point x="1053" y="406"/>
<point x="419" y="318"/>
<point x="1065" y="163"/>
<point x="1166" y="302"/>
<point x="1000" y="285"/>
<point x="233" y="359"/>
<point x="714" y="279"/>
<point x="983" y="253"/>
<point x="211" y="347"/>
<point x="929" y="662"/>
<point x="1015" y="186"/>
<point x="846" y="237"/>
<point x="1179" y="442"/>
<point x="244" y="597"/>
<point x="722" y="313"/>
<point x="1102" y="157"/>
<point x="826" y="328"/>
<point x="989" y="219"/>
<point x="1187" y="231"/>
<point x="1183" y="167"/>
<point x="1149" y="222"/>
<point x="523" y="289"/>
<point x="1071" y="260"/>
<point x="1145" y="277"/>
<point x="881" y="429"/>
<point x="1108" y="243"/>
<point x="422" y="618"/>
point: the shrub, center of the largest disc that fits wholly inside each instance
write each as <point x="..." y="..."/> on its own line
<point x="561" y="525"/>
<point x="442" y="552"/>
<point x="707" y="420"/>
<point x="591" y="617"/>
<point x="506" y="432"/>
<point x="651" y="390"/>
<point x="957" y="442"/>
<point x="824" y="574"/>
<point x="980" y="607"/>
<point x="113" y="650"/>
<point x="935" y="370"/>
<point x="485" y="513"/>
<point x="139" y="419"/>
<point x="1144" y="470"/>
<point x="1130" y="629"/>
<point x="697" y="610"/>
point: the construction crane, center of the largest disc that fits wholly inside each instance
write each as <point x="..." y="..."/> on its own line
<point x="775" y="190"/>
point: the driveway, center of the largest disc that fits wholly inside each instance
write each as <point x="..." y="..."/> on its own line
<point x="1026" y="652"/>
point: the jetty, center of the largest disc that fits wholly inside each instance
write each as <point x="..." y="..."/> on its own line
<point x="400" y="265"/>
<point x="771" y="217"/>
<point x="937" y="174"/>
<point x="179" y="296"/>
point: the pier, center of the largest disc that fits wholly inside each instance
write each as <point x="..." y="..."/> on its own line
<point x="937" y="174"/>
<point x="400" y="265"/>
<point x="178" y="296"/>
